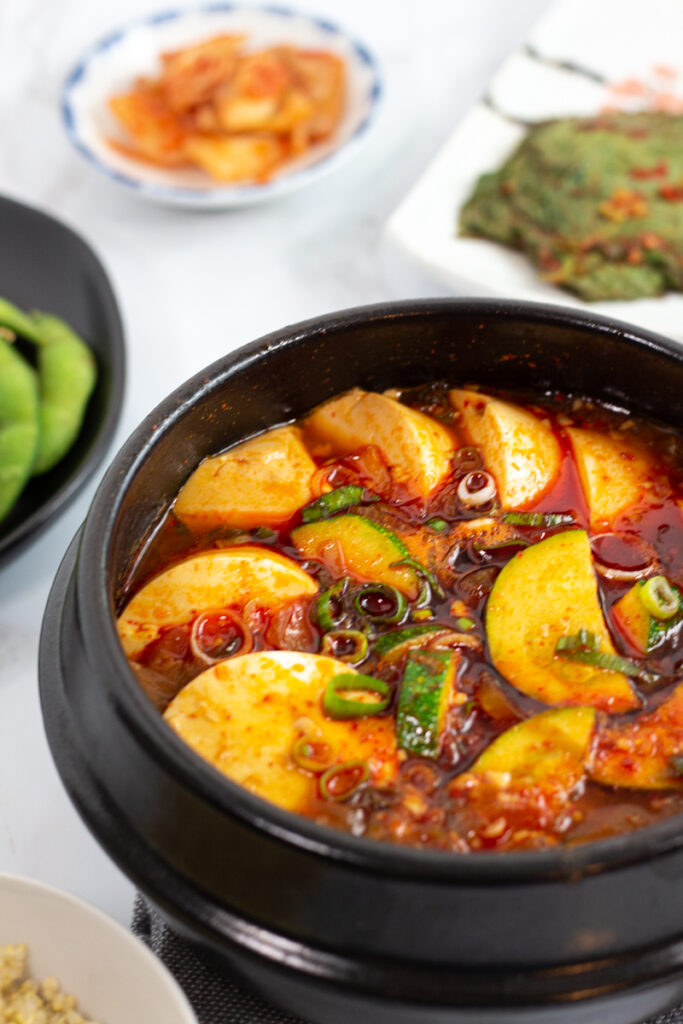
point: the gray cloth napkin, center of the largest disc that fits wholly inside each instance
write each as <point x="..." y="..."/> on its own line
<point x="217" y="1000"/>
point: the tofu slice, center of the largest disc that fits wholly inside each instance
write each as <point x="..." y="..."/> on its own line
<point x="261" y="482"/>
<point x="615" y="473"/>
<point x="519" y="449"/>
<point x="244" y="714"/>
<point x="226" y="577"/>
<point x="416" y="448"/>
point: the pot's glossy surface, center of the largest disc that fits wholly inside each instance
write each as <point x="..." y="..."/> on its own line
<point x="332" y="926"/>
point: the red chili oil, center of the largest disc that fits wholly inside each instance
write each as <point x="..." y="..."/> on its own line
<point x="425" y="805"/>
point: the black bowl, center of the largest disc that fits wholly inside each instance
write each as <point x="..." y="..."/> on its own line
<point x="44" y="265"/>
<point x="334" y="927"/>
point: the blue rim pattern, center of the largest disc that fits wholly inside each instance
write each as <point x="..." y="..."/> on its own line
<point x="234" y="192"/>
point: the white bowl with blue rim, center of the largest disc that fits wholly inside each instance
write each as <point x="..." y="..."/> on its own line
<point x="113" y="63"/>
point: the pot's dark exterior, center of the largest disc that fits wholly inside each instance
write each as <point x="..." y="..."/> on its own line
<point x="338" y="928"/>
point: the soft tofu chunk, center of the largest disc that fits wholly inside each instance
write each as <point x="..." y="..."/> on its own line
<point x="226" y="577"/>
<point x="244" y="715"/>
<point x="615" y="473"/>
<point x="416" y="447"/>
<point x="519" y="449"/>
<point x="261" y="482"/>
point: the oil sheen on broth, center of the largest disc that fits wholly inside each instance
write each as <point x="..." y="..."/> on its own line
<point x="437" y="617"/>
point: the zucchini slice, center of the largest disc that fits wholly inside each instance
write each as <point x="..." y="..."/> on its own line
<point x="643" y="630"/>
<point x="351" y="545"/>
<point x="423" y="701"/>
<point x="546" y="592"/>
<point x="392" y="646"/>
<point x="551" y="747"/>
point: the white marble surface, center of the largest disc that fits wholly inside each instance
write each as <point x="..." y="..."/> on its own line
<point x="194" y="286"/>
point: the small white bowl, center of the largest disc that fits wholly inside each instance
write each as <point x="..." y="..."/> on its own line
<point x="114" y="976"/>
<point x="112" y="64"/>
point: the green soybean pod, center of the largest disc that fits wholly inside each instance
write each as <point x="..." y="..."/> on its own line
<point x="17" y="321"/>
<point x="19" y="426"/>
<point x="66" y="378"/>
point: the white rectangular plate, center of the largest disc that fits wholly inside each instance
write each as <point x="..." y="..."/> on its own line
<point x="615" y="39"/>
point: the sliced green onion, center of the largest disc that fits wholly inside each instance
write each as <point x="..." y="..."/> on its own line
<point x="424" y="595"/>
<point x="265" y="533"/>
<point x="341" y="781"/>
<point x="496" y="545"/>
<point x="603" y="659"/>
<point x="421" y="570"/>
<point x="422" y="614"/>
<point x="437" y="524"/>
<point x="660" y="599"/>
<point x="539" y="518"/>
<point x="584" y="640"/>
<point x="341" y="638"/>
<point x="341" y="708"/>
<point x="382" y="593"/>
<point x="676" y="765"/>
<point x="312" y="754"/>
<point x="583" y="646"/>
<point x="329" y="608"/>
<point x="464" y="624"/>
<point x="335" y="501"/>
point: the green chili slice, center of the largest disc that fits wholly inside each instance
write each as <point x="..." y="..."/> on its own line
<point x="437" y="524"/>
<point x="464" y="624"/>
<point x="335" y="501"/>
<point x="346" y="645"/>
<point x="380" y="602"/>
<point x="660" y="599"/>
<point x="538" y="518"/>
<point x="341" y="781"/>
<point x="265" y="533"/>
<point x="329" y="607"/>
<point x="341" y="708"/>
<point x="312" y="754"/>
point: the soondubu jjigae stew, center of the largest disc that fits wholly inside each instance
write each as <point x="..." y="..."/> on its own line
<point x="438" y="617"/>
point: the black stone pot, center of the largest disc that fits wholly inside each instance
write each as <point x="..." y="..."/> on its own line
<point x="334" y="927"/>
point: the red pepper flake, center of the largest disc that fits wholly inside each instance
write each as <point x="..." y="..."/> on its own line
<point x="629" y="87"/>
<point x="650" y="240"/>
<point x="624" y="204"/>
<point x="672" y="193"/>
<point x="659" y="170"/>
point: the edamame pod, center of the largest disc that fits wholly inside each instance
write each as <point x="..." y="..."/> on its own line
<point x="18" y="424"/>
<point x="66" y="375"/>
<point x="18" y="321"/>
